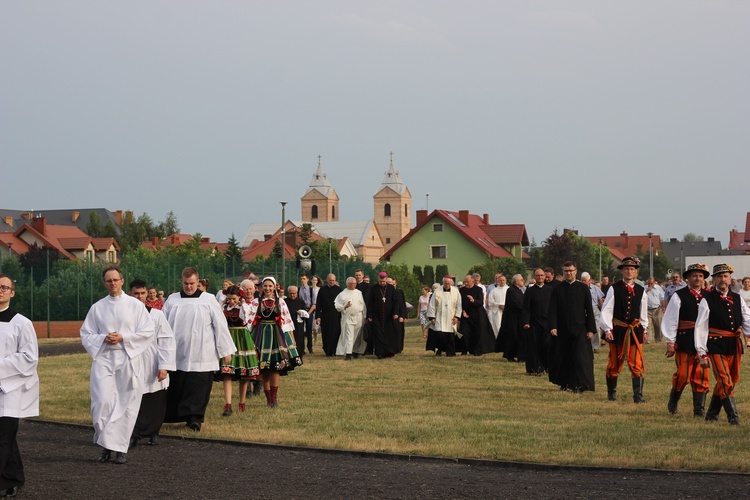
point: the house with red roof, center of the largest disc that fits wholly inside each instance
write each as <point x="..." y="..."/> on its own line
<point x="177" y="239"/>
<point x="459" y="240"/>
<point x="740" y="241"/>
<point x="624" y="245"/>
<point x="70" y="241"/>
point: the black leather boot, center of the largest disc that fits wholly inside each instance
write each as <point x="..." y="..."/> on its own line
<point x="611" y="389"/>
<point x="699" y="404"/>
<point x="714" y="407"/>
<point x="638" y="390"/>
<point x="674" y="398"/>
<point x="731" y="408"/>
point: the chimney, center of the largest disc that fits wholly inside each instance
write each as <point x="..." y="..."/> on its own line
<point x="8" y="220"/>
<point x="463" y="216"/>
<point x="486" y="218"/>
<point x="118" y="216"/>
<point x="710" y="239"/>
<point x="421" y="216"/>
<point x="266" y="237"/>
<point x="27" y="215"/>
<point x="155" y="241"/>
<point x="75" y="216"/>
<point x="40" y="224"/>
<point x="673" y="240"/>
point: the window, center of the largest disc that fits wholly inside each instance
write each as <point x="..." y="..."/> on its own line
<point x="438" y="228"/>
<point x="333" y="213"/>
<point x="406" y="210"/>
<point x="387" y="241"/>
<point x="314" y="214"/>
<point x="387" y="210"/>
<point x="438" y="252"/>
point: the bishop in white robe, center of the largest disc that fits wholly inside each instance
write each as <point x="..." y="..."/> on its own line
<point x="351" y="305"/>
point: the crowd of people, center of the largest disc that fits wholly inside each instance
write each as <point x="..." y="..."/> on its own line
<point x="155" y="360"/>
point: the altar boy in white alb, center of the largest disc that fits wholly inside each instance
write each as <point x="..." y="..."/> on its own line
<point x="116" y="331"/>
<point x="19" y="386"/>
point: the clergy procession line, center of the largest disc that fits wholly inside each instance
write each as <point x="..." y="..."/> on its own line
<point x="155" y="361"/>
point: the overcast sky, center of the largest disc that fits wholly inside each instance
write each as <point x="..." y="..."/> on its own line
<point x="598" y="116"/>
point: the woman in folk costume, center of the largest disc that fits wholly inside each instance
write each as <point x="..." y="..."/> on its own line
<point x="244" y="363"/>
<point x="273" y="333"/>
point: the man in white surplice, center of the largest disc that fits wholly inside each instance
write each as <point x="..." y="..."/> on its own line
<point x="496" y="302"/>
<point x="117" y="330"/>
<point x="351" y="305"/>
<point x="444" y="312"/>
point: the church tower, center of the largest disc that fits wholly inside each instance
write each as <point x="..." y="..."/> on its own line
<point x="392" y="208"/>
<point x="320" y="203"/>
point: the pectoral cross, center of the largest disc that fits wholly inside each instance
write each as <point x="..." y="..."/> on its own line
<point x="383" y="300"/>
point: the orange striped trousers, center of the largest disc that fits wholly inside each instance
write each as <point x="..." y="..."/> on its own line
<point x="726" y="368"/>
<point x="689" y="371"/>
<point x="634" y="357"/>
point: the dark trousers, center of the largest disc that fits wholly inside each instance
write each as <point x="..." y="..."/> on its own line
<point x="188" y="395"/>
<point x="151" y="414"/>
<point x="299" y="337"/>
<point x="11" y="467"/>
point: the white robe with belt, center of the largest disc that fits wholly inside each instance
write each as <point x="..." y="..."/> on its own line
<point x="495" y="300"/>
<point x="444" y="306"/>
<point x="351" y="320"/>
<point x="117" y="378"/>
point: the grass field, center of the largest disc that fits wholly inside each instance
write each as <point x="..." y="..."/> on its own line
<point x="480" y="407"/>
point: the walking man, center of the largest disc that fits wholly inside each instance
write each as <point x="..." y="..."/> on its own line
<point x="19" y="386"/>
<point x="116" y="332"/>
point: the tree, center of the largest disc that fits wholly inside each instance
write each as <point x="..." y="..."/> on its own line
<point x="407" y="282"/>
<point x="441" y="270"/>
<point x="276" y="252"/>
<point x="169" y="226"/>
<point x="558" y="248"/>
<point x="429" y="274"/>
<point x="417" y="271"/>
<point x="691" y="238"/>
<point x="506" y="266"/>
<point x="94" y="225"/>
<point x="38" y="258"/>
<point x="305" y="233"/>
<point x="233" y="255"/>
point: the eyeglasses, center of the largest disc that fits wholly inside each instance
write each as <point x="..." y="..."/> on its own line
<point x="6" y="288"/>
<point x="113" y="281"/>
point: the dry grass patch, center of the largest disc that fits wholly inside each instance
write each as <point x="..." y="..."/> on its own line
<point x="479" y="407"/>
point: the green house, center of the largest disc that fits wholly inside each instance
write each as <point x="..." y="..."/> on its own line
<point x="459" y="240"/>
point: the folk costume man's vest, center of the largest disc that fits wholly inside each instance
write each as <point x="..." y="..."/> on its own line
<point x="724" y="323"/>
<point x="686" y="322"/>
<point x="627" y="311"/>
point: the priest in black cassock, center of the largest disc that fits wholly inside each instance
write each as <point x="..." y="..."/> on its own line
<point x="382" y="317"/>
<point x="328" y="317"/>
<point x="474" y="326"/>
<point x="534" y="321"/>
<point x="508" y="341"/>
<point x="571" y="321"/>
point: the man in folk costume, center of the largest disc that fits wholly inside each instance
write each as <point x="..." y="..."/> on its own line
<point x="624" y="320"/>
<point x="678" y="328"/>
<point x="382" y="316"/>
<point x="158" y="360"/>
<point x="722" y="319"/>
<point x="19" y="386"/>
<point x="351" y="305"/>
<point x="202" y="338"/>
<point x="444" y="312"/>
<point x="116" y="332"/>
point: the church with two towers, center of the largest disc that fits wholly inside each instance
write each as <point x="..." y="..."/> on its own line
<point x="368" y="239"/>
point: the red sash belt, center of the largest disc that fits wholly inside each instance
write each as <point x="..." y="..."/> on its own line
<point x="716" y="333"/>
<point x="685" y="325"/>
<point x="629" y="333"/>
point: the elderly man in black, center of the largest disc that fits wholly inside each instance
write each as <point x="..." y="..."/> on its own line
<point x="382" y="316"/>
<point x="508" y="340"/>
<point x="329" y="318"/>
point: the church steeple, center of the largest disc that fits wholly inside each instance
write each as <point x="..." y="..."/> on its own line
<point x="392" y="212"/>
<point x="320" y="203"/>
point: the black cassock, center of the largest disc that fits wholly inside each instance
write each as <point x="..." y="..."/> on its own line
<point x="508" y="341"/>
<point x="295" y="305"/>
<point x="401" y="311"/>
<point x="382" y="305"/>
<point x="572" y="357"/>
<point x="535" y="308"/>
<point x="477" y="337"/>
<point x="330" y="318"/>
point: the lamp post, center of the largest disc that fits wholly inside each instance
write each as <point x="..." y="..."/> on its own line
<point x="650" y="256"/>
<point x="600" y="260"/>
<point x="283" y="242"/>
<point x="330" y="265"/>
